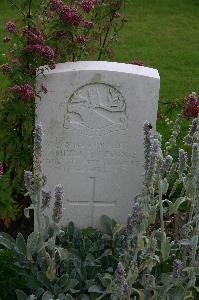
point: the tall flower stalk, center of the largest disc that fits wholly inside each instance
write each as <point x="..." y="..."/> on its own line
<point x="153" y="241"/>
<point x="35" y="182"/>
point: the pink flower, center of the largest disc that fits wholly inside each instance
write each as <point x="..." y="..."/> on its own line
<point x="88" y="24"/>
<point x="192" y="106"/>
<point x="5" y="68"/>
<point x="69" y="15"/>
<point x="1" y="170"/>
<point x="6" y="39"/>
<point x="11" y="27"/>
<point x="25" y="92"/>
<point x="82" y="40"/>
<point x="44" y="89"/>
<point x="46" y="52"/>
<point x="88" y="5"/>
<point x="55" y="4"/>
<point x="34" y="36"/>
<point x="136" y="62"/>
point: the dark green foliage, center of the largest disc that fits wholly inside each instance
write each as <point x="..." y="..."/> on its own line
<point x="17" y="113"/>
<point x="85" y="262"/>
<point x="92" y="259"/>
<point x="9" y="277"/>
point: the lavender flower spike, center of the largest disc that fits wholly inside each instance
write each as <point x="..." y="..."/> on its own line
<point x="119" y="273"/>
<point x="150" y="175"/>
<point x="188" y="140"/>
<point x="166" y="165"/>
<point x="38" y="150"/>
<point x="147" y="142"/>
<point x="57" y="211"/>
<point x="182" y="161"/>
<point x="178" y="266"/>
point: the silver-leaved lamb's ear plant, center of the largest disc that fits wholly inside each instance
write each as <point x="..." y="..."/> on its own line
<point x="160" y="258"/>
<point x="38" y="256"/>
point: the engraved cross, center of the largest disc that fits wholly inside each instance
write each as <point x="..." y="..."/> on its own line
<point x="93" y="202"/>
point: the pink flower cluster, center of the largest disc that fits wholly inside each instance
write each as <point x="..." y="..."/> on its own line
<point x="88" y="24"/>
<point x="36" y="45"/>
<point x="192" y="106"/>
<point x="81" y="40"/>
<point x="68" y="14"/>
<point x="1" y="170"/>
<point x="45" y="51"/>
<point x="88" y="5"/>
<point x="5" y="68"/>
<point x="25" y="92"/>
<point x="11" y="27"/>
<point x="55" y="4"/>
<point x="34" y="36"/>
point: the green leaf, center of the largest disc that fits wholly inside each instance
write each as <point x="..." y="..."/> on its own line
<point x="41" y="277"/>
<point x="109" y="223"/>
<point x="63" y="253"/>
<point x="21" y="244"/>
<point x="33" y="242"/>
<point x="7" y="236"/>
<point x="63" y="281"/>
<point x="6" y="241"/>
<point x="196" y="288"/>
<point x="140" y="293"/>
<point x="51" y="271"/>
<point x="194" y="242"/>
<point x="164" y="185"/>
<point x="69" y="297"/>
<point x="95" y="289"/>
<point x="39" y="292"/>
<point x="165" y="246"/>
<point x="173" y="207"/>
<point x="47" y="296"/>
<point x="132" y="276"/>
<point x="21" y="295"/>
<point x="117" y="229"/>
<point x="184" y="242"/>
<point x="72" y="283"/>
<point x="140" y="243"/>
<point x="152" y="215"/>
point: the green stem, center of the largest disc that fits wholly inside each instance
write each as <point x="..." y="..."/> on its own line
<point x="161" y="206"/>
<point x="13" y="4"/>
<point x="194" y="252"/>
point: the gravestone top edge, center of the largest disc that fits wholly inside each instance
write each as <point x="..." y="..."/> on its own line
<point x="102" y="66"/>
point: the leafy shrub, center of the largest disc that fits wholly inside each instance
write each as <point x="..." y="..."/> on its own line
<point x="9" y="276"/>
<point x="45" y="33"/>
<point x="161" y="259"/>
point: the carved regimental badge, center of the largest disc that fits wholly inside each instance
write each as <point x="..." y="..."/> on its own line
<point x="96" y="108"/>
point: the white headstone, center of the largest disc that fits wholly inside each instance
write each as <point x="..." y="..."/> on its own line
<point x="93" y="117"/>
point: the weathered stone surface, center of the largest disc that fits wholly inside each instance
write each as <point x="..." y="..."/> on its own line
<point x="93" y="116"/>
